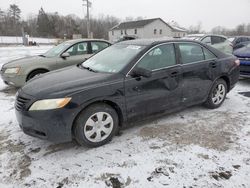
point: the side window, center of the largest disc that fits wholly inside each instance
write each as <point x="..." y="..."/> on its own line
<point x="191" y="53"/>
<point x="223" y="39"/>
<point x="217" y="40"/>
<point x="78" y="49"/>
<point x="98" y="46"/>
<point x="207" y="40"/>
<point x="245" y="39"/>
<point x="238" y="41"/>
<point x="160" y="57"/>
<point x="208" y="54"/>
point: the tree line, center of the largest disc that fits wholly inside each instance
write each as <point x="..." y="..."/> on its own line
<point x="54" y="25"/>
<point x="241" y="29"/>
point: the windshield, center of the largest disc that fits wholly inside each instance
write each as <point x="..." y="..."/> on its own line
<point x="113" y="58"/>
<point x="57" y="50"/>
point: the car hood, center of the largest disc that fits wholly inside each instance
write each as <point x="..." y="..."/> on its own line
<point x="242" y="52"/>
<point x="65" y="82"/>
<point x="26" y="61"/>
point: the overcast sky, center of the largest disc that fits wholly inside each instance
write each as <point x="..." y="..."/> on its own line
<point x="211" y="13"/>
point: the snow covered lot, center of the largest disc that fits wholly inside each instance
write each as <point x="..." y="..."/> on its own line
<point x="195" y="147"/>
<point x="19" y="40"/>
<point x="10" y="53"/>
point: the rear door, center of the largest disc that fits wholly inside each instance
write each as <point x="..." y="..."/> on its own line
<point x="199" y="66"/>
<point x="162" y="91"/>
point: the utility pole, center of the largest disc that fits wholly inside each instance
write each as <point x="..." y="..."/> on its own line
<point x="88" y="5"/>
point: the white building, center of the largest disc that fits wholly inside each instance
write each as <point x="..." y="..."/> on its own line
<point x="149" y="28"/>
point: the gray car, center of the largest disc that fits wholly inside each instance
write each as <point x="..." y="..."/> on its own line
<point x="18" y="72"/>
<point x="219" y="42"/>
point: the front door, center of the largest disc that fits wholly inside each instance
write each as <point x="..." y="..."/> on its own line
<point x="78" y="53"/>
<point x="160" y="92"/>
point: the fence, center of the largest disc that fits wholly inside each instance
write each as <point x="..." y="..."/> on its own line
<point x="11" y="40"/>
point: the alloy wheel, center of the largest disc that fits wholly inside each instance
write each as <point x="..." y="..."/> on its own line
<point x="219" y="94"/>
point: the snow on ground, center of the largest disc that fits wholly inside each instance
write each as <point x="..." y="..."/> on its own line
<point x="19" y="40"/>
<point x="195" y="147"/>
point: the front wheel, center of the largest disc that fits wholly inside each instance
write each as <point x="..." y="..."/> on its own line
<point x="35" y="73"/>
<point x="96" y="125"/>
<point x="217" y="94"/>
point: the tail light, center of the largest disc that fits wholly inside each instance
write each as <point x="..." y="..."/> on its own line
<point x="237" y="62"/>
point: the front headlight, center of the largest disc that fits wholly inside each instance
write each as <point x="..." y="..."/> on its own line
<point x="49" y="104"/>
<point x="13" y="70"/>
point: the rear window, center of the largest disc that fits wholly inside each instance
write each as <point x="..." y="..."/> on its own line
<point x="217" y="40"/>
<point x="98" y="46"/>
<point x="208" y="54"/>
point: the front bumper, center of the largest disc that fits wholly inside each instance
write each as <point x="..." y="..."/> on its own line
<point x="52" y="125"/>
<point x="14" y="80"/>
<point x="245" y="68"/>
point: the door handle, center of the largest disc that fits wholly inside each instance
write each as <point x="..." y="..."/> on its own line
<point x="213" y="65"/>
<point x="174" y="74"/>
<point x="137" y="89"/>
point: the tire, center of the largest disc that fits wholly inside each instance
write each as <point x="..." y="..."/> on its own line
<point x="35" y="73"/>
<point x="91" y="123"/>
<point x="217" y="94"/>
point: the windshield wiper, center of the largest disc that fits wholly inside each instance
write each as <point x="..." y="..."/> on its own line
<point x="42" y="55"/>
<point x="88" y="68"/>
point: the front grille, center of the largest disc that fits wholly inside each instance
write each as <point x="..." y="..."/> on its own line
<point x="245" y="68"/>
<point x="244" y="59"/>
<point x="21" y="103"/>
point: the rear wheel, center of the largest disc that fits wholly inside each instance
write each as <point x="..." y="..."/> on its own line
<point x="217" y="94"/>
<point x="96" y="125"/>
<point x="35" y="73"/>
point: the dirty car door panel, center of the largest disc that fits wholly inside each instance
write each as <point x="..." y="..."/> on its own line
<point x="162" y="91"/>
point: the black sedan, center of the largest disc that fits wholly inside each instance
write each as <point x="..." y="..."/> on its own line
<point x="126" y="82"/>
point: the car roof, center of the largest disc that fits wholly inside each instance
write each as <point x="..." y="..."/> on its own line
<point x="196" y="35"/>
<point x="243" y="36"/>
<point x="85" y="40"/>
<point x="154" y="42"/>
<point x="148" y="42"/>
<point x="204" y="35"/>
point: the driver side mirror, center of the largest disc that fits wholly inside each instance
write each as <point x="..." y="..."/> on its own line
<point x="65" y="55"/>
<point x="137" y="72"/>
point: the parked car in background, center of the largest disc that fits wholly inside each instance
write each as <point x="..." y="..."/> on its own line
<point x="126" y="82"/>
<point x="241" y="45"/>
<point x="217" y="41"/>
<point x="244" y="56"/>
<point x="239" y="41"/>
<point x="69" y="53"/>
<point x="127" y="37"/>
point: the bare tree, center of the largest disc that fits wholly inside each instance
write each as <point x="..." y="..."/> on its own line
<point x="195" y="29"/>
